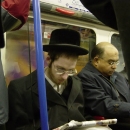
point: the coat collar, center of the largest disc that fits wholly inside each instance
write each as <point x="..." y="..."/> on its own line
<point x="76" y="86"/>
<point x="91" y="68"/>
<point x="31" y="79"/>
<point x="52" y="95"/>
<point x="113" y="78"/>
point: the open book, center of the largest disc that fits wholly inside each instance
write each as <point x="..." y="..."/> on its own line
<point x="75" y="124"/>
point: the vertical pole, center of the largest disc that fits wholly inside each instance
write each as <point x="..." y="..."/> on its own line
<point x="40" y="65"/>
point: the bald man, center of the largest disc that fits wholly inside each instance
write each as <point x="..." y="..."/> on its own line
<point x="106" y="92"/>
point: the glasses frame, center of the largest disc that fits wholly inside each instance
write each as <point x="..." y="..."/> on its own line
<point x="69" y="72"/>
<point x="112" y="62"/>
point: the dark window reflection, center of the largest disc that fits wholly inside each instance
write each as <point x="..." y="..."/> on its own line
<point x="115" y="40"/>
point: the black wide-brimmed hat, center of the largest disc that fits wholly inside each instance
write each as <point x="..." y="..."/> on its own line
<point x="65" y="39"/>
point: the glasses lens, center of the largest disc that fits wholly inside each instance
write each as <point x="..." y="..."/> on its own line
<point x="69" y="72"/>
<point x="61" y="71"/>
<point x="118" y="62"/>
<point x="114" y="62"/>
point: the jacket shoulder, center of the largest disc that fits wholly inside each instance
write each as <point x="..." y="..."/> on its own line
<point x="21" y="81"/>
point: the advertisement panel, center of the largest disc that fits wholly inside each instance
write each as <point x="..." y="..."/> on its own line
<point x="75" y="4"/>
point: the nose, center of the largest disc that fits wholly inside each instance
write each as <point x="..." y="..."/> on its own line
<point x="114" y="66"/>
<point x="65" y="76"/>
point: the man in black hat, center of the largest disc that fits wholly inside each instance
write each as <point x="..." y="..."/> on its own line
<point x="64" y="92"/>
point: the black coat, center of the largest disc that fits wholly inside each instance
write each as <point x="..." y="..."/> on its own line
<point x="100" y="95"/>
<point x="101" y="98"/>
<point x="24" y="105"/>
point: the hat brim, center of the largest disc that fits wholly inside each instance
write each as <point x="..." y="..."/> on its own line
<point x="76" y="49"/>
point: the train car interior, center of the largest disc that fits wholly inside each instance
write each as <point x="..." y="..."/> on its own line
<point x="19" y="53"/>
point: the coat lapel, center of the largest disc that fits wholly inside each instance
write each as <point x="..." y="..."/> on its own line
<point x="118" y="86"/>
<point x="53" y="96"/>
<point x="31" y="82"/>
<point x="74" y="91"/>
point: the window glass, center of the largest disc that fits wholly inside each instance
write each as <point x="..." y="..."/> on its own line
<point x="20" y="47"/>
<point x="115" y="40"/>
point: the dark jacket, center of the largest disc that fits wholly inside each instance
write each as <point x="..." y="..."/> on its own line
<point x="24" y="105"/>
<point x="101" y="94"/>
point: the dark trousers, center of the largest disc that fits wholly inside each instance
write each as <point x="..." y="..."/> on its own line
<point x="2" y="127"/>
<point x="122" y="124"/>
<point x="120" y="127"/>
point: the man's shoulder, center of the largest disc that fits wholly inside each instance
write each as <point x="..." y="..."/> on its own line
<point x="87" y="72"/>
<point x="75" y="77"/>
<point x="23" y="79"/>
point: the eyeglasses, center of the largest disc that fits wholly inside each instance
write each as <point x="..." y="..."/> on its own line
<point x="113" y="62"/>
<point x="61" y="71"/>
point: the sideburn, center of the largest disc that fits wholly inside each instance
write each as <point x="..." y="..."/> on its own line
<point x="50" y="64"/>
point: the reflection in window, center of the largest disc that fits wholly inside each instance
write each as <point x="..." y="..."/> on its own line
<point x="115" y="40"/>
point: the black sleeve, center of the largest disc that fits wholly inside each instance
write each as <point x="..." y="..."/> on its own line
<point x="18" y="117"/>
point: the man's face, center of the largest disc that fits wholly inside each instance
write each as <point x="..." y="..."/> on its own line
<point x="61" y="68"/>
<point x="108" y="62"/>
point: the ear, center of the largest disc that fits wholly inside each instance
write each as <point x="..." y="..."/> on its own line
<point x="96" y="60"/>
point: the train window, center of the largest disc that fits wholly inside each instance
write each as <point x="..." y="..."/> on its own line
<point x="115" y="40"/>
<point x="20" y="47"/>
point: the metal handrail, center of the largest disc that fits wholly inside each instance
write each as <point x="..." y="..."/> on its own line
<point x="40" y="65"/>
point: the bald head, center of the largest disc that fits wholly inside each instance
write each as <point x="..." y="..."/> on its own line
<point x="104" y="44"/>
<point x="105" y="58"/>
<point x="102" y="49"/>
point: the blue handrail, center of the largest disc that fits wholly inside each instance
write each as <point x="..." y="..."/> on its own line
<point x="40" y="65"/>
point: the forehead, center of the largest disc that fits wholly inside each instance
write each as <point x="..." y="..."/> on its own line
<point x="66" y="62"/>
<point x="111" y="53"/>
